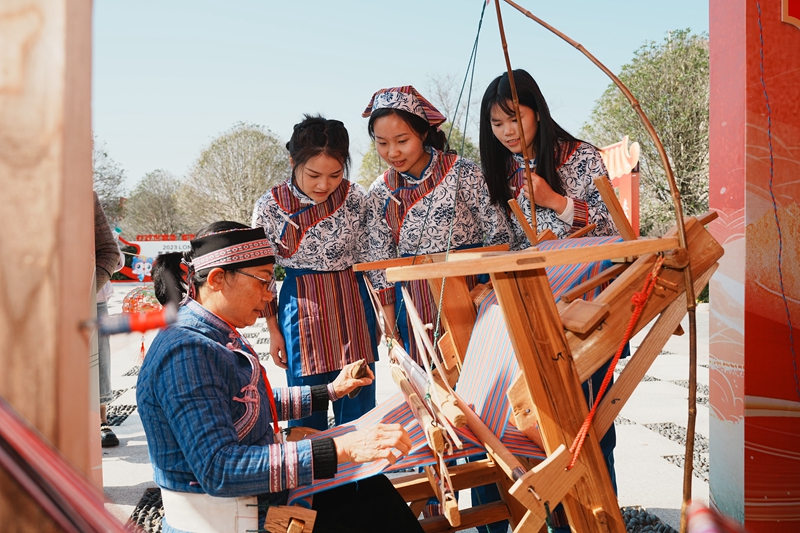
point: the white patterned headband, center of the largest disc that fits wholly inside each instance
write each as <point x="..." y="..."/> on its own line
<point x="405" y="98"/>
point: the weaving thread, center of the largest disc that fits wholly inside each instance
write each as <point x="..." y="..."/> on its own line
<point x="639" y="300"/>
<point x="775" y="203"/>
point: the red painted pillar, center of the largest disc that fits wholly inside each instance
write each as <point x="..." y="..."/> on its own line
<point x="755" y="295"/>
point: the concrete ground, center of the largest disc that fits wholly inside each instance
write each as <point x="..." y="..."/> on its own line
<point x="645" y="475"/>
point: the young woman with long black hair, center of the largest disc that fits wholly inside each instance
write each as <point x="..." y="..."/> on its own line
<point x="562" y="167"/>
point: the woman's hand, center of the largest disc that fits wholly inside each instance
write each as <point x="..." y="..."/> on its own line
<point x="378" y="442"/>
<point x="277" y="346"/>
<point x="345" y="381"/>
<point x="544" y="195"/>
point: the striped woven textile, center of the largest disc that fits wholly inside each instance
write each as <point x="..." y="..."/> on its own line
<point x="489" y="368"/>
<point x="329" y="341"/>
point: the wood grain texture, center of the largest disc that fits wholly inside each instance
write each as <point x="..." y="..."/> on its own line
<point x="545" y="360"/>
<point x="46" y="277"/>
<point x="614" y="208"/>
<point x="481" y="263"/>
<point x="592" y="351"/>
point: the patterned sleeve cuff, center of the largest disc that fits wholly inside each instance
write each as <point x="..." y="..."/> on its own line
<point x="332" y="396"/>
<point x="580" y="217"/>
<point x="323" y="453"/>
<point x="387" y="296"/>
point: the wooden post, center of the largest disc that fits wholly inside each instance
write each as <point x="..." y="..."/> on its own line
<point x="545" y="360"/>
<point x="46" y="276"/>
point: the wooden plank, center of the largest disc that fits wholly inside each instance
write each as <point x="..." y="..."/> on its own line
<point x="458" y="312"/>
<point x="546" y="235"/>
<point x="592" y="351"/>
<point x="420" y="259"/>
<point x="551" y="480"/>
<point x="606" y="275"/>
<point x="473" y="517"/>
<point x="544" y="359"/>
<point x="47" y="245"/>
<point x="415" y="487"/>
<point x="473" y="264"/>
<point x="282" y="518"/>
<point x="640" y="362"/>
<point x="606" y="190"/>
<point x="708" y="217"/>
<point x="529" y="231"/>
<point x="523" y="410"/>
<point x="583" y="317"/>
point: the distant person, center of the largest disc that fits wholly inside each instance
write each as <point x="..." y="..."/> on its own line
<point x="211" y="416"/>
<point x="107" y="259"/>
<point x="425" y="192"/>
<point x="315" y="221"/>
<point x="562" y="167"/>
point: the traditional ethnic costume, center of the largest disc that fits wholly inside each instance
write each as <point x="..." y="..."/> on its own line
<point x="584" y="204"/>
<point x="210" y="417"/>
<point x="447" y="207"/>
<point x="322" y="311"/>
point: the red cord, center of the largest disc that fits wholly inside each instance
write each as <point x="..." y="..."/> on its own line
<point x="639" y="299"/>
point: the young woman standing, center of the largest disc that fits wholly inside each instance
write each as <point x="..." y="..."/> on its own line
<point x="562" y="167"/>
<point x="428" y="200"/>
<point x="315" y="221"/>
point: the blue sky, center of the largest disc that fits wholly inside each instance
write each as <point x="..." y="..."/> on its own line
<point x="168" y="76"/>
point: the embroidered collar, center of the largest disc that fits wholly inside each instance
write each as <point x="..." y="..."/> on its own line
<point x="426" y="172"/>
<point x="300" y="195"/>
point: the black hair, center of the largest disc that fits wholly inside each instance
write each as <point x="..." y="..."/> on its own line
<point x="169" y="275"/>
<point x="430" y="135"/>
<point x="316" y="135"/>
<point x="552" y="142"/>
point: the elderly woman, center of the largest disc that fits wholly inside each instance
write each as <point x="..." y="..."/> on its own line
<point x="211" y="417"/>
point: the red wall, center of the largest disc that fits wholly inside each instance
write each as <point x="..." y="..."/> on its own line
<point x="755" y="388"/>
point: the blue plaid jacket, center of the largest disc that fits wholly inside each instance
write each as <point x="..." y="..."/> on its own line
<point x="193" y="387"/>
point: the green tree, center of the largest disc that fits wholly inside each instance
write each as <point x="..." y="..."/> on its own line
<point x="670" y="80"/>
<point x="108" y="177"/>
<point x="371" y="167"/>
<point x="231" y="174"/>
<point x="153" y="206"/>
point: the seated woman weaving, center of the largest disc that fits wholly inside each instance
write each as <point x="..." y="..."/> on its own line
<point x="211" y="416"/>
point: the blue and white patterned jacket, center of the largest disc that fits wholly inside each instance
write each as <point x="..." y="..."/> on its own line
<point x="194" y="389"/>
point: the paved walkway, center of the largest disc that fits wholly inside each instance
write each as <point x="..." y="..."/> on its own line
<point x="647" y="475"/>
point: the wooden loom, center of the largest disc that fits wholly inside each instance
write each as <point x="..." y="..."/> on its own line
<point x="559" y="346"/>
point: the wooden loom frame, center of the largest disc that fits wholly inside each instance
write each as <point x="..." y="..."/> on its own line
<point x="554" y="362"/>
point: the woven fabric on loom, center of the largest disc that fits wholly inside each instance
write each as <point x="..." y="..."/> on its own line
<point x="489" y="368"/>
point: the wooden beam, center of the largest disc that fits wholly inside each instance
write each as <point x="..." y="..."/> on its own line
<point x="708" y="217"/>
<point x="529" y="231"/>
<point x="421" y="259"/>
<point x="640" y="362"/>
<point x="614" y="208"/>
<point x="415" y="487"/>
<point x="592" y="351"/>
<point x="47" y="219"/>
<point x="545" y="360"/>
<point x="474" y="263"/>
<point x="472" y="517"/>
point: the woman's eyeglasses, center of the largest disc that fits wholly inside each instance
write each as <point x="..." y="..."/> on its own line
<point x="265" y="282"/>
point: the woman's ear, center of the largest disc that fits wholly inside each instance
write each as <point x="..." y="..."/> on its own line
<point x="216" y="279"/>
<point x="291" y="162"/>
